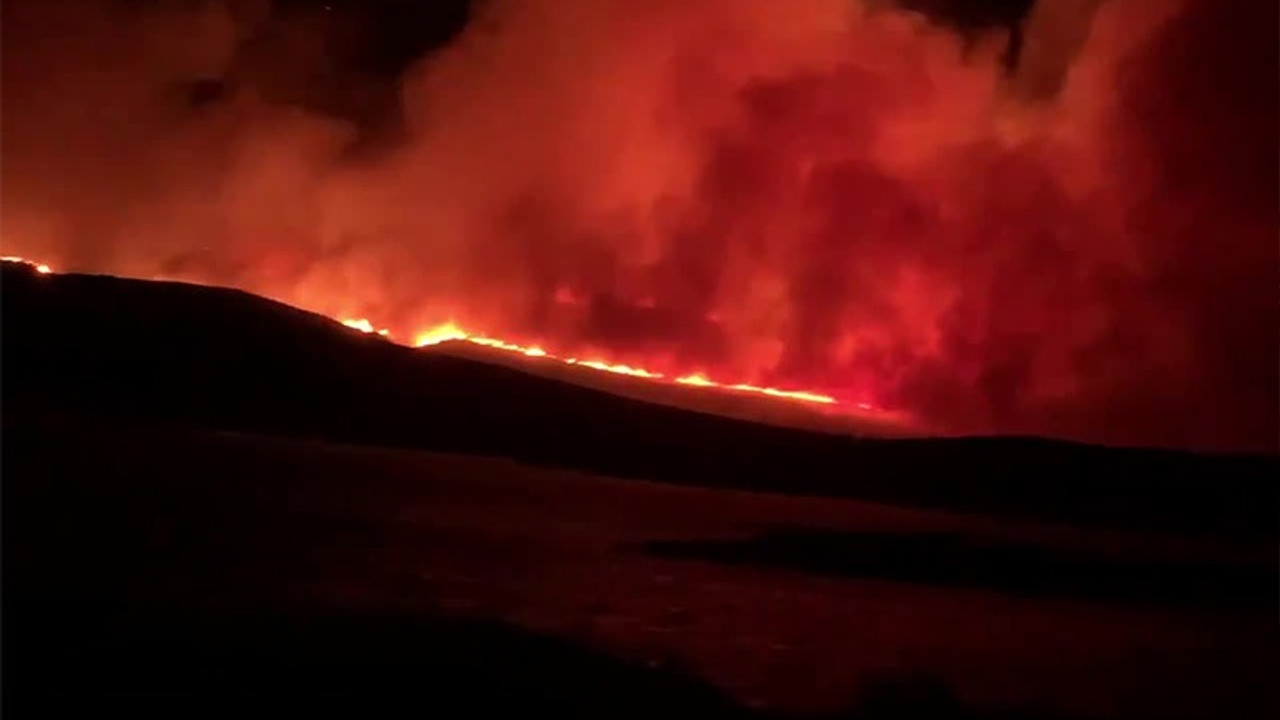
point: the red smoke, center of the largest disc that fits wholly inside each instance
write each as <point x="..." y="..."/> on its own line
<point x="801" y="194"/>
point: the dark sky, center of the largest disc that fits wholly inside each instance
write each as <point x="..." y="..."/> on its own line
<point x="377" y="40"/>
<point x="400" y="31"/>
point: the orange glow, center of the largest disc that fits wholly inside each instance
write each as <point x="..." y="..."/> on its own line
<point x="616" y="369"/>
<point x="37" y="266"/>
<point x="365" y="326"/>
<point x="452" y="332"/>
<point x="695" y="379"/>
<point x="789" y="394"/>
<point x="979" y="221"/>
<point x="438" y="334"/>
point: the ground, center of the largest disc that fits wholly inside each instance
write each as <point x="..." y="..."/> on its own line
<point x="215" y="504"/>
<point x="128" y="535"/>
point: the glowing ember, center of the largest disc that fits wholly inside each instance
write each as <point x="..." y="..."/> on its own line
<point x="451" y="332"/>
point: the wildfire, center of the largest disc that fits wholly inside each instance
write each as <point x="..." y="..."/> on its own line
<point x="38" y="267"/>
<point x="449" y="331"/>
<point x="364" y="326"/>
<point x="618" y="369"/>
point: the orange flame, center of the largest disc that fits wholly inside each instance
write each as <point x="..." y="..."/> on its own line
<point x="438" y="334"/>
<point x="618" y="369"/>
<point x="450" y="331"/>
<point x="696" y="379"/>
<point x="364" y="326"/>
<point x="38" y="267"/>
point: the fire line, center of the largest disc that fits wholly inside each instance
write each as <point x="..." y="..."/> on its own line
<point x="451" y="332"/>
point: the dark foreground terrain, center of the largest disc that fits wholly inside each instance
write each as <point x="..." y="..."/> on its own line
<point x="216" y="505"/>
<point x="151" y="354"/>
<point x="202" y="573"/>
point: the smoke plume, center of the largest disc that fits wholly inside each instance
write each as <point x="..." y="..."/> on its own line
<point x="1072" y="234"/>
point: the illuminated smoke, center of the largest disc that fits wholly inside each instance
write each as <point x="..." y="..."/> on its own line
<point x="801" y="194"/>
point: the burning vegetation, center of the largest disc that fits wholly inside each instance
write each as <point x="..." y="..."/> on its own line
<point x="450" y="332"/>
<point x="1058" y="221"/>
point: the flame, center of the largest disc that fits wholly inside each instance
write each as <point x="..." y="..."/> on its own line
<point x="438" y="334"/>
<point x="37" y="266"/>
<point x="452" y="332"/>
<point x="617" y="369"/>
<point x="696" y="379"/>
<point x="788" y="394"/>
<point x="364" y="326"/>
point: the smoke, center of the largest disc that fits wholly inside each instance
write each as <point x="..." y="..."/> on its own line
<point x="824" y="194"/>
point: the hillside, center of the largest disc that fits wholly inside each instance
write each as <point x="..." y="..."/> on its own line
<point x="160" y="354"/>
